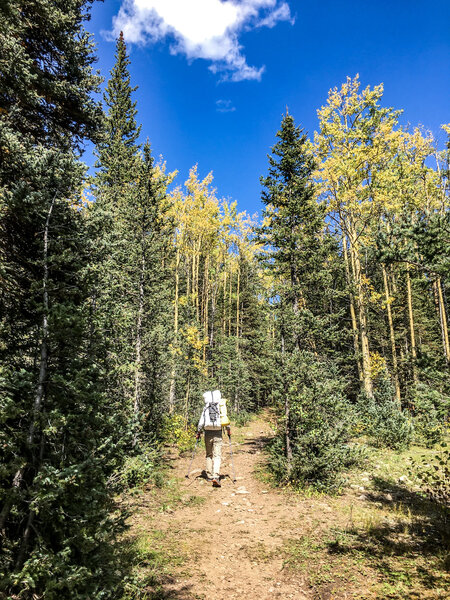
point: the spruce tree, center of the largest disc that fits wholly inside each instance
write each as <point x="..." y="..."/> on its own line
<point x="132" y="257"/>
<point x="150" y="260"/>
<point x="298" y="254"/>
<point x="55" y="521"/>
<point x="118" y="147"/>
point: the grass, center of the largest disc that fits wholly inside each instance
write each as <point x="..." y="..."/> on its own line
<point x="383" y="539"/>
<point x="258" y="553"/>
<point x="380" y="539"/>
<point x="155" y="556"/>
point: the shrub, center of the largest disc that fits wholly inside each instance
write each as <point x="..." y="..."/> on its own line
<point x="431" y="409"/>
<point x="178" y="431"/>
<point x="242" y="418"/>
<point x="140" y="468"/>
<point x="320" y="425"/>
<point x="384" y="421"/>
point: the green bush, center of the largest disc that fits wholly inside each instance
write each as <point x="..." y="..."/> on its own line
<point x="242" y="418"/>
<point x="140" y="468"/>
<point x="320" y="425"/>
<point x="431" y="410"/>
<point x="384" y="421"/>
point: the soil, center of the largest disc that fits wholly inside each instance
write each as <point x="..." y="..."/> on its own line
<point x="234" y="536"/>
<point x="248" y="540"/>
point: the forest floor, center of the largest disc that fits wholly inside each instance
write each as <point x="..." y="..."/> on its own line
<point x="249" y="540"/>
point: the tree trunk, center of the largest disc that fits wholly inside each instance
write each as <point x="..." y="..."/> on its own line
<point x="186" y="400"/>
<point x="287" y="416"/>
<point x="411" y="325"/>
<point x="352" y="311"/>
<point x="224" y="308"/>
<point x="237" y="307"/>
<point x="40" y="389"/>
<point x="443" y="319"/>
<point x="392" y="336"/>
<point x="205" y="304"/>
<point x="365" y="351"/>
<point x="230" y="303"/>
<point x="175" y="331"/>
<point x="137" y="375"/>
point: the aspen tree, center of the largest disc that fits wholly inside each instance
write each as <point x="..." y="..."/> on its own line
<point x="350" y="147"/>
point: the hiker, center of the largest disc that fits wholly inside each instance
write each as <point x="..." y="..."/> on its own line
<point x="212" y="420"/>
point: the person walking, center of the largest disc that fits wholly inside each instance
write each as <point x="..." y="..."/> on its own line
<point x="210" y="422"/>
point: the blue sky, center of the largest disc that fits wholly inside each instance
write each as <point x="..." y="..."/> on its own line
<point x="215" y="77"/>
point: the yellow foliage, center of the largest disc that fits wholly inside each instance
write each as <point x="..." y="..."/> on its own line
<point x="377" y="365"/>
<point x="176" y="430"/>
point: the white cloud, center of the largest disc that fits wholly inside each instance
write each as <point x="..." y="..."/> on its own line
<point x="207" y="29"/>
<point x="225" y="106"/>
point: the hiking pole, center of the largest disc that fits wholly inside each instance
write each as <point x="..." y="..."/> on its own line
<point x="232" y="462"/>
<point x="193" y="456"/>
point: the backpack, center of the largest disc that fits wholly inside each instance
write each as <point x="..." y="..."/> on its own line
<point x="211" y="412"/>
<point x="224" y="420"/>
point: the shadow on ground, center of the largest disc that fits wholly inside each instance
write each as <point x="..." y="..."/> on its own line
<point x="256" y="444"/>
<point x="409" y="547"/>
<point x="166" y="590"/>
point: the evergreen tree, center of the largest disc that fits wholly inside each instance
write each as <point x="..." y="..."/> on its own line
<point x="150" y="257"/>
<point x="118" y="147"/>
<point x="55" y="521"/>
<point x="110" y="219"/>
<point x="132" y="255"/>
<point x="297" y="254"/>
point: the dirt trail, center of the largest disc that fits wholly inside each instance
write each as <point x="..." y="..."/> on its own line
<point x="233" y="537"/>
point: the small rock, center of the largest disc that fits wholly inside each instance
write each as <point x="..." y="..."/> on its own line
<point x="403" y="479"/>
<point x="364" y="479"/>
<point x="388" y="497"/>
<point x="225" y="503"/>
<point x="217" y="511"/>
<point x="264" y="492"/>
<point x="361" y="488"/>
<point x="271" y="589"/>
<point x="362" y="497"/>
<point x="242" y="492"/>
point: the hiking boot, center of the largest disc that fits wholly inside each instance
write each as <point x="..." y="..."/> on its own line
<point x="216" y="483"/>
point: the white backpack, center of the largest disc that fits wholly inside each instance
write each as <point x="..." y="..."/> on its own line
<point x="210" y="419"/>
